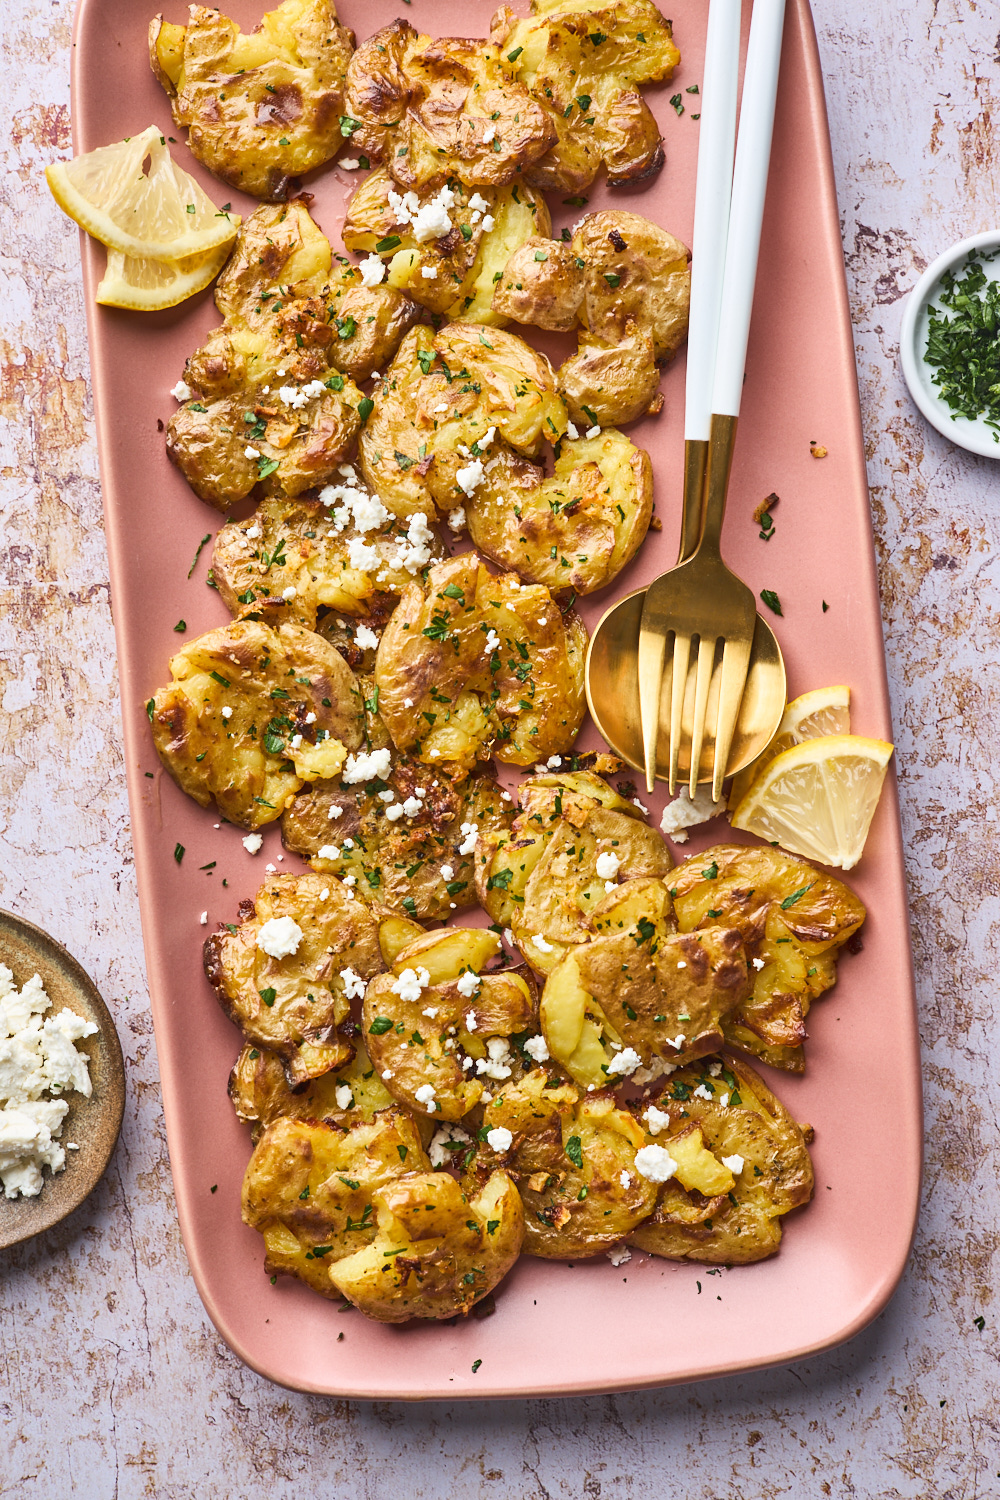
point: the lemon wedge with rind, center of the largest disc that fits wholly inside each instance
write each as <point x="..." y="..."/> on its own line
<point x="825" y="710"/>
<point x="144" y="285"/>
<point x="817" y="799"/>
<point x="161" y="214"/>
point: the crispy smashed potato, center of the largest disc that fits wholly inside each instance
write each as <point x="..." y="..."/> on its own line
<point x="741" y="1163"/>
<point x="573" y="1160"/>
<point x="294" y="1005"/>
<point x="541" y="878"/>
<point x="316" y="548"/>
<point x="261" y="107"/>
<point x="473" y="664"/>
<point x="260" y="1091"/>
<point x="436" y="108"/>
<point x="573" y="530"/>
<point x="440" y="406"/>
<point x="453" y="274"/>
<point x="793" y="920"/>
<point x="626" y="282"/>
<point x="414" y="862"/>
<point x="438" y="1250"/>
<point x="436" y="1027"/>
<point x="309" y="1189"/>
<point x="583" y="60"/>
<point x="251" y="713"/>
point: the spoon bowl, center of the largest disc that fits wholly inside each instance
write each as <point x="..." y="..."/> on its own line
<point x="613" y="693"/>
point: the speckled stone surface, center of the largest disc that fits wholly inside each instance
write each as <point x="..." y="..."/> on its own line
<point x="112" y="1381"/>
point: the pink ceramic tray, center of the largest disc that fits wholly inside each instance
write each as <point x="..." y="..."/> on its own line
<point x="558" y="1328"/>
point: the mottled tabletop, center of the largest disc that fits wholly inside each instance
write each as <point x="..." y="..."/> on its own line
<point x="113" y="1382"/>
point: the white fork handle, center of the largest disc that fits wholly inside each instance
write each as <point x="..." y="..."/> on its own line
<point x="753" y="155"/>
<point x="716" y="146"/>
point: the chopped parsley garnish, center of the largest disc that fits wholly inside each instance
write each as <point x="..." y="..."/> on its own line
<point x="772" y="601"/>
<point x="574" y="1150"/>
<point x="963" y="348"/>
<point x="201" y="544"/>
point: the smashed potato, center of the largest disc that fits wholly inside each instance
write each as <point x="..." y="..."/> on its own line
<point x="294" y="1004"/>
<point x="295" y="556"/>
<point x="441" y="405"/>
<point x="627" y="283"/>
<point x="793" y="920"/>
<point x="436" y="108"/>
<point x="417" y="862"/>
<point x="542" y="877"/>
<point x="310" y="1188"/>
<point x="741" y="1163"/>
<point x="251" y="713"/>
<point x="260" y="1092"/>
<point x="453" y="274"/>
<point x="583" y="63"/>
<point x="261" y="107"/>
<point x="436" y="1027"/>
<point x="437" y="1251"/>
<point x="474" y="663"/>
<point x="573" y="530"/>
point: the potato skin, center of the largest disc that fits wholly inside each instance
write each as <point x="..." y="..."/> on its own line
<point x="446" y="698"/>
<point x="450" y="1249"/>
<point x="260" y="108"/>
<point x="796" y="944"/>
<point x="294" y="1006"/>
<point x="742" y="1226"/>
<point x="260" y="1092"/>
<point x="246" y="761"/>
<point x="574" y="530"/>
<point x="424" y="104"/>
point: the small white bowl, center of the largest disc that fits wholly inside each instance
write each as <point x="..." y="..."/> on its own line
<point x="968" y="433"/>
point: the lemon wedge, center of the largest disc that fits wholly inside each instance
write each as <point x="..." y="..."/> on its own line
<point x="817" y="799"/>
<point x="822" y="711"/>
<point x="159" y="214"/>
<point x="144" y="285"/>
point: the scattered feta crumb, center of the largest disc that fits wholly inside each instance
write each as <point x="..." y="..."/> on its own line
<point x="620" y="1255"/>
<point x="289" y="593"/>
<point x="425" y="1095"/>
<point x="542" y="944"/>
<point x="715" y="1068"/>
<point x="608" y="865"/>
<point x="252" y="843"/>
<point x="701" y="1092"/>
<point x="253" y="532"/>
<point x="279" y="937"/>
<point x="471" y="1023"/>
<point x="181" y="391"/>
<point x="625" y="1179"/>
<point x="758" y="963"/>
<point x="625" y="1063"/>
<point x="592" y="432"/>
<point x="467" y="984"/>
<point x="429" y="273"/>
<point x="554" y="761"/>
<point x="251" y="452"/>
<point x="499" y="1139"/>
<point x="508" y="934"/>
<point x="470" y="476"/>
<point x="344" y="1097"/>
<point x="354" y="985"/>
<point x="681" y="964"/>
<point x="227" y="712"/>
<point x="335" y="812"/>
<point x="572" y="431"/>
<point x="656" y="1120"/>
<point x="686" y="811"/>
<point x="734" y="1163"/>
<point x="538" y="1048"/>
<point x="724" y="1100"/>
<point x="328" y="851"/>
<point x="444" y="1142"/>
<point x="655" y="1163"/>
<point x="372" y="271"/>
<point x="203" y="919"/>
<point x="324" y="894"/>
<point x="349" y="163"/>
<point x="470" y="837"/>
<point x="677" y="1043"/>
<point x="447" y="872"/>
<point x="497" y="1064"/>
<point x="365" y="638"/>
<point x="411" y="983"/>
<point x="395" y="812"/>
<point x="430" y="1012"/>
<point x="457" y="518"/>
<point x="366" y="766"/>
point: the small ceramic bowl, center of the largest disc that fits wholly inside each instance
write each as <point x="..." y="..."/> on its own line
<point x="970" y="434"/>
<point x="93" y="1124"/>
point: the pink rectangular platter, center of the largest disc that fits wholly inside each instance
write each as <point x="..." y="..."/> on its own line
<point x="558" y="1328"/>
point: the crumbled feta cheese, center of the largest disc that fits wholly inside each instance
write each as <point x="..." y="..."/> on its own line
<point x="365" y="638"/>
<point x="715" y="1068"/>
<point x="447" y="872"/>
<point x="328" y="851"/>
<point x="457" y="518"/>
<point x="181" y="391"/>
<point x="410" y="983"/>
<point x="685" y="811"/>
<point x="572" y="431"/>
<point x="344" y="1097"/>
<point x="538" y="1048"/>
<point x="349" y="163"/>
<point x="203" y="919"/>
<point x="701" y="1092"/>
<point x="415" y="552"/>
<point x="677" y="1043"/>
<point x="350" y="880"/>
<point x="354" y="985"/>
<point x="407" y="702"/>
<point x="724" y="1100"/>
<point x="625" y="1179"/>
<point x="372" y="271"/>
<point x="681" y="964"/>
<point x="626" y="1062"/>
<point x="253" y="842"/>
<point x="470" y="836"/>
<point x="497" y="1065"/>
<point x="758" y="963"/>
<point x="592" y="432"/>
<point x="335" y="812"/>
<point x="639" y="805"/>
<point x="227" y="712"/>
<point x="470" y="476"/>
<point x="288" y="593"/>
<point x="251" y="452"/>
<point x="324" y="894"/>
<point x="656" y="1120"/>
<point x="471" y="1023"/>
<point x="467" y="984"/>
<point x="279" y="937"/>
<point x="488" y="222"/>
<point x="655" y="1163"/>
<point x="620" y="1255"/>
<point x="429" y="273"/>
<point x="430" y="1012"/>
<point x="608" y="865"/>
<point x="734" y="1163"/>
<point x="387" y="1075"/>
<point x="446" y="1142"/>
<point x="542" y="944"/>
<point x="395" y="812"/>
<point x="499" y="1139"/>
<point x="554" y="761"/>
<point x="425" y="1095"/>
<point x="412" y="807"/>
<point x="492" y="643"/>
<point x="253" y="532"/>
<point x="508" y="935"/>
<point x="366" y="766"/>
<point x="361" y="555"/>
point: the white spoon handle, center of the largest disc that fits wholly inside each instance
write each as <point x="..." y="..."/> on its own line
<point x="753" y="154"/>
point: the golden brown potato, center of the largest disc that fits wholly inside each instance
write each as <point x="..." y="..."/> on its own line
<point x="251" y="713"/>
<point x="260" y="1091"/>
<point x="474" y="664"/>
<point x="436" y="1027"/>
<point x="583" y="62"/>
<point x="793" y="920"/>
<point x="542" y="878"/>
<point x="453" y="274"/>
<point x="326" y="549"/>
<point x="310" y="1188"/>
<point x="263" y="106"/>
<point x="573" y="530"/>
<point x="719" y="1114"/>
<point x="573" y="1160"/>
<point x="444" y="1250"/>
<point x="414" y="862"/>
<point x="294" y="1003"/>
<point x="436" y="108"/>
<point x="441" y="406"/>
<point x="627" y="283"/>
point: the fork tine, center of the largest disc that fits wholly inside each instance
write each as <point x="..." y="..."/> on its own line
<point x="678" y="683"/>
<point x="706" y="660"/>
<point x="735" y="665"/>
<point x="652" y="650"/>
